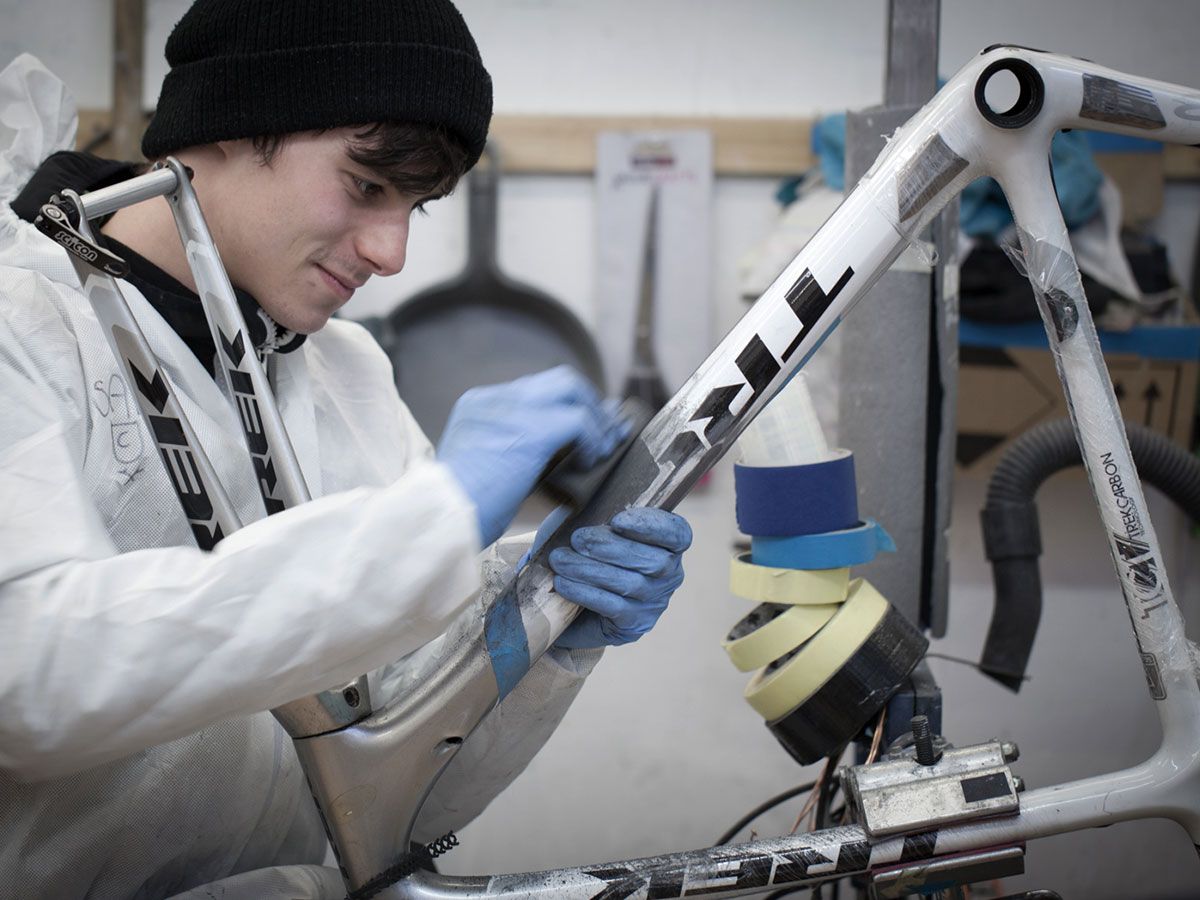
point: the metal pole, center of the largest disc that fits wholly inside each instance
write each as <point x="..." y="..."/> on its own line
<point x="144" y="187"/>
<point x="905" y="482"/>
<point x="128" y="121"/>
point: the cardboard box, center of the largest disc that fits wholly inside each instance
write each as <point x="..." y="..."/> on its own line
<point x="1003" y="391"/>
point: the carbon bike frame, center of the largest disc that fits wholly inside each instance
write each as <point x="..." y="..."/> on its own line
<point x="370" y="779"/>
<point x="208" y="509"/>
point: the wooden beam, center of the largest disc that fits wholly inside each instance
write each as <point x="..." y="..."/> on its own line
<point x="1181" y="163"/>
<point x="129" y="29"/>
<point x="566" y="145"/>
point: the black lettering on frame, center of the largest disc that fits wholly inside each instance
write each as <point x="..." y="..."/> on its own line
<point x="809" y="302"/>
<point x="716" y="408"/>
<point x="758" y="365"/>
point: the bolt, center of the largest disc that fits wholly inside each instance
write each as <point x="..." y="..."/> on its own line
<point x="350" y="695"/>
<point x="1010" y="751"/>
<point x="923" y="741"/>
<point x="1019" y="783"/>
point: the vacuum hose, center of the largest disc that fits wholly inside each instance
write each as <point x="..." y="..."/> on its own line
<point x="1012" y="540"/>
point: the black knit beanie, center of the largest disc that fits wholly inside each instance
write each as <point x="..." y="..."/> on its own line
<point x="251" y="68"/>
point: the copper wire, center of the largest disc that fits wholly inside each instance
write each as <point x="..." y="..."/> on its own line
<point x="877" y="738"/>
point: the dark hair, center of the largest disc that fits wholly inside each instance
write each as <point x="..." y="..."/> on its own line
<point x="417" y="159"/>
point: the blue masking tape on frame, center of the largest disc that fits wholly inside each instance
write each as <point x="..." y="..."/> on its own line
<point x="780" y="501"/>
<point x="507" y="642"/>
<point x="831" y="550"/>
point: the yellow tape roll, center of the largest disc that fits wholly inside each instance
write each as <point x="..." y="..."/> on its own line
<point x="775" y="631"/>
<point x="766" y="584"/>
<point x="775" y="693"/>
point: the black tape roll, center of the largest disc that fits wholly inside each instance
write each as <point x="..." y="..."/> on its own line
<point x="839" y="709"/>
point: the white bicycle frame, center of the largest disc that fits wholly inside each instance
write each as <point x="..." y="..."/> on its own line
<point x="277" y="471"/>
<point x="371" y="778"/>
<point x="370" y="772"/>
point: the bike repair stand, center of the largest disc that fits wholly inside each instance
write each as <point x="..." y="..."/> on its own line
<point x="908" y="480"/>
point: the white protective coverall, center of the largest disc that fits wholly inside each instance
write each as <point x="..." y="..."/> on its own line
<point x="135" y="759"/>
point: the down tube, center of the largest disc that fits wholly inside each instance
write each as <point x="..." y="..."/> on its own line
<point x="699" y="424"/>
<point x="772" y="341"/>
<point x="752" y="363"/>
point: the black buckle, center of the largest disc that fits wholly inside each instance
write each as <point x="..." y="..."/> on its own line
<point x="57" y="221"/>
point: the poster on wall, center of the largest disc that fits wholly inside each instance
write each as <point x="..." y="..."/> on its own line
<point x="654" y="272"/>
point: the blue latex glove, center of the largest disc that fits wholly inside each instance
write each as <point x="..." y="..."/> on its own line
<point x="500" y="438"/>
<point x="622" y="573"/>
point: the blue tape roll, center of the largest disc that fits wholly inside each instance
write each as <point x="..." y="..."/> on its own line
<point x="832" y="550"/>
<point x="779" y="501"/>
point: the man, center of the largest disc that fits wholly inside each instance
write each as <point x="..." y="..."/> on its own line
<point x="135" y="756"/>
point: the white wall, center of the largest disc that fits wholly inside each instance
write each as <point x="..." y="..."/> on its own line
<point x="660" y="752"/>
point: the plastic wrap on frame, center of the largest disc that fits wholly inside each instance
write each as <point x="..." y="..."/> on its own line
<point x="1157" y="623"/>
<point x="927" y="163"/>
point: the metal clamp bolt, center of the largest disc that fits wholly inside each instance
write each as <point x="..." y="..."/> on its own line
<point x="927" y="754"/>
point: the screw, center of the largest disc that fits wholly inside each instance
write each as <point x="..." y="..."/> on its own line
<point x="1010" y="751"/>
<point x="923" y="740"/>
<point x="1019" y="783"/>
<point x="350" y="695"/>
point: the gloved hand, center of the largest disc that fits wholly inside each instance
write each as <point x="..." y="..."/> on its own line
<point x="500" y="438"/>
<point x="622" y="573"/>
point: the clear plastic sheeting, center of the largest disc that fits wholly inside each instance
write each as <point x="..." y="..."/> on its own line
<point x="1096" y="416"/>
<point x="787" y="432"/>
<point x="927" y="163"/>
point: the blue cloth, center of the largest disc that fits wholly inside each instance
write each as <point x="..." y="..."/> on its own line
<point x="985" y="212"/>
<point x="622" y="573"/>
<point x="499" y="439"/>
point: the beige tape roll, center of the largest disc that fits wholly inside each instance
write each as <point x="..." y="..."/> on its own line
<point x="789" y="628"/>
<point x="775" y="693"/>
<point x="766" y="584"/>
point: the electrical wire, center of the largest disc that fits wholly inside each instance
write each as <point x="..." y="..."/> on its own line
<point x="809" y="803"/>
<point x="825" y="776"/>
<point x="823" y="791"/>
<point x="783" y="892"/>
<point x="969" y="662"/>
<point x="762" y="808"/>
<point x="877" y="737"/>
<point x="824" y="801"/>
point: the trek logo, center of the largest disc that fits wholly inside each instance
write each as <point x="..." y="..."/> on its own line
<point x="153" y="395"/>
<point x="252" y="423"/>
<point x="1140" y="570"/>
<point x="752" y="870"/>
<point x="1189" y="111"/>
<point x="1137" y="565"/>
<point x="809" y="301"/>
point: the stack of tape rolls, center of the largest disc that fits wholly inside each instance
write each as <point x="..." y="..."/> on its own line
<point x="827" y="650"/>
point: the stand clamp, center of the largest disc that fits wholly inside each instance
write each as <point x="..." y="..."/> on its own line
<point x="926" y="787"/>
<point x="56" y="222"/>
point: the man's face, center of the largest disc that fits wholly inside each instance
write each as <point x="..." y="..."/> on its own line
<point x="301" y="233"/>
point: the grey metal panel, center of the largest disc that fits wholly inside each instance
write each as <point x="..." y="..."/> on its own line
<point x="884" y="392"/>
<point x="900" y="355"/>
<point x="945" y="292"/>
<point x="912" y="52"/>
